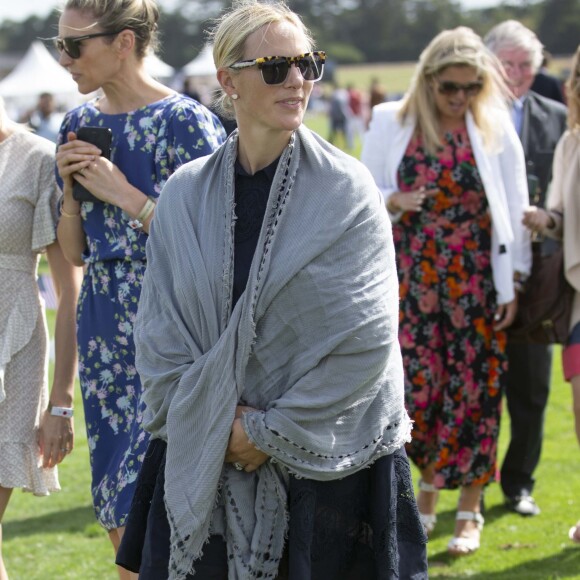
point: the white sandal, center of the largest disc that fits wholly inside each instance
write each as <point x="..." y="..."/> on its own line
<point x="428" y="520"/>
<point x="461" y="546"/>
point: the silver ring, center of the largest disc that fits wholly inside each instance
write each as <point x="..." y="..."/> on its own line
<point x="239" y="466"/>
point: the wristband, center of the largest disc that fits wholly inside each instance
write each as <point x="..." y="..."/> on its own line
<point x="66" y="412"/>
<point x="145" y="212"/>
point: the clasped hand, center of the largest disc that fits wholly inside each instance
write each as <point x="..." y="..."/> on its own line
<point x="536" y="219"/>
<point x="410" y="200"/>
<point x="82" y="161"/>
<point x="240" y="449"/>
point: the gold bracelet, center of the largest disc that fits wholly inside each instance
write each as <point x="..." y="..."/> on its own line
<point x="64" y="213"/>
<point x="391" y="206"/>
<point x="146" y="210"/>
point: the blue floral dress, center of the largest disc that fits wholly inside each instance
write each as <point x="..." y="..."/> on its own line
<point x="148" y="145"/>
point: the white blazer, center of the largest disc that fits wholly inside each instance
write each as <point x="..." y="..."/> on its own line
<point x="503" y="174"/>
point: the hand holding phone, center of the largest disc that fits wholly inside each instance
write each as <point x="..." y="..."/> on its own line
<point x="101" y="137"/>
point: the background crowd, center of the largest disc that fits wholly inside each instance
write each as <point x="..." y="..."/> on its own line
<point x="476" y="166"/>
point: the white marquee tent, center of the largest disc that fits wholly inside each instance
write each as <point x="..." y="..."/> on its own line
<point x="201" y="65"/>
<point x="36" y="73"/>
<point x="157" y="68"/>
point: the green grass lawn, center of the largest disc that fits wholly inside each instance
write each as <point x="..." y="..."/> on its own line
<point x="57" y="537"/>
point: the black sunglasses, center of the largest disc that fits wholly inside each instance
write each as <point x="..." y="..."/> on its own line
<point x="275" y="69"/>
<point x="451" y="88"/>
<point x="72" y="44"/>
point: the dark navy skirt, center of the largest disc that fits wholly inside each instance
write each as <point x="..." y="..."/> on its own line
<point x="365" y="526"/>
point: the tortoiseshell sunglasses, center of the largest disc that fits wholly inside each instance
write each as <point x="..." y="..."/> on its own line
<point x="275" y="69"/>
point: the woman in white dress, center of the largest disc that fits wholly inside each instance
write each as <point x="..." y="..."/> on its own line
<point x="36" y="431"/>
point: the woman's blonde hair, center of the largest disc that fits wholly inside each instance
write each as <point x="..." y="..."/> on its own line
<point x="573" y="92"/>
<point x="458" y="47"/>
<point x="232" y="29"/>
<point x="140" y="16"/>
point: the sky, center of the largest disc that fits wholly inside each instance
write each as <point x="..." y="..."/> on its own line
<point x="22" y="9"/>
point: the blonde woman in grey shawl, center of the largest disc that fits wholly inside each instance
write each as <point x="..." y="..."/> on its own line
<point x="267" y="344"/>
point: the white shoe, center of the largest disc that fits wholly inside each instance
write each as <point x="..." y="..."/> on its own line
<point x="428" y="520"/>
<point x="460" y="545"/>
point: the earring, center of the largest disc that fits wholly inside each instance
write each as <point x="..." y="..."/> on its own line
<point x="235" y="96"/>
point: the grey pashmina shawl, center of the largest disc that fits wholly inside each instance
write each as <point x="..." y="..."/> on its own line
<point x="312" y="343"/>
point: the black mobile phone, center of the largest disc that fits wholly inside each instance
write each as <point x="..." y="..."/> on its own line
<point x="101" y="137"/>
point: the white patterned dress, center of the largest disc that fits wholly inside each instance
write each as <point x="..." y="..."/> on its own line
<point x="28" y="202"/>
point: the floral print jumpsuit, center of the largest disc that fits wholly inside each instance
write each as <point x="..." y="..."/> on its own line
<point x="455" y="363"/>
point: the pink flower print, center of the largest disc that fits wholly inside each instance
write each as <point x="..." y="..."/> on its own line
<point x="470" y="353"/>
<point x="458" y="317"/>
<point x="475" y="287"/>
<point x="421" y="398"/>
<point x="421" y="169"/>
<point x="131" y="371"/>
<point x="446" y="156"/>
<point x="486" y="446"/>
<point x="426" y="175"/>
<point x="406" y="338"/>
<point x="416" y="244"/>
<point x="405" y="262"/>
<point x="122" y="340"/>
<point x="463" y="151"/>
<point x="111" y="222"/>
<point x="491" y="425"/>
<point x="464" y="459"/>
<point x="455" y="240"/>
<point x="441" y="262"/>
<point x="92" y="386"/>
<point x="471" y="201"/>
<point x="444" y="433"/>
<point x="428" y="301"/>
<point x="104" y="278"/>
<point x="117" y="369"/>
<point x="92" y="345"/>
<point x="482" y="260"/>
<point x="130" y="390"/>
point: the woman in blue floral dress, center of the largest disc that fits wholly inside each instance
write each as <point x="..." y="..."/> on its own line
<point x="154" y="131"/>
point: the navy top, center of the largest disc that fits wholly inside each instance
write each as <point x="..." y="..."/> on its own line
<point x="251" y="199"/>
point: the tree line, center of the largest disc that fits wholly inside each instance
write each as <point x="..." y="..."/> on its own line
<point x="351" y="31"/>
